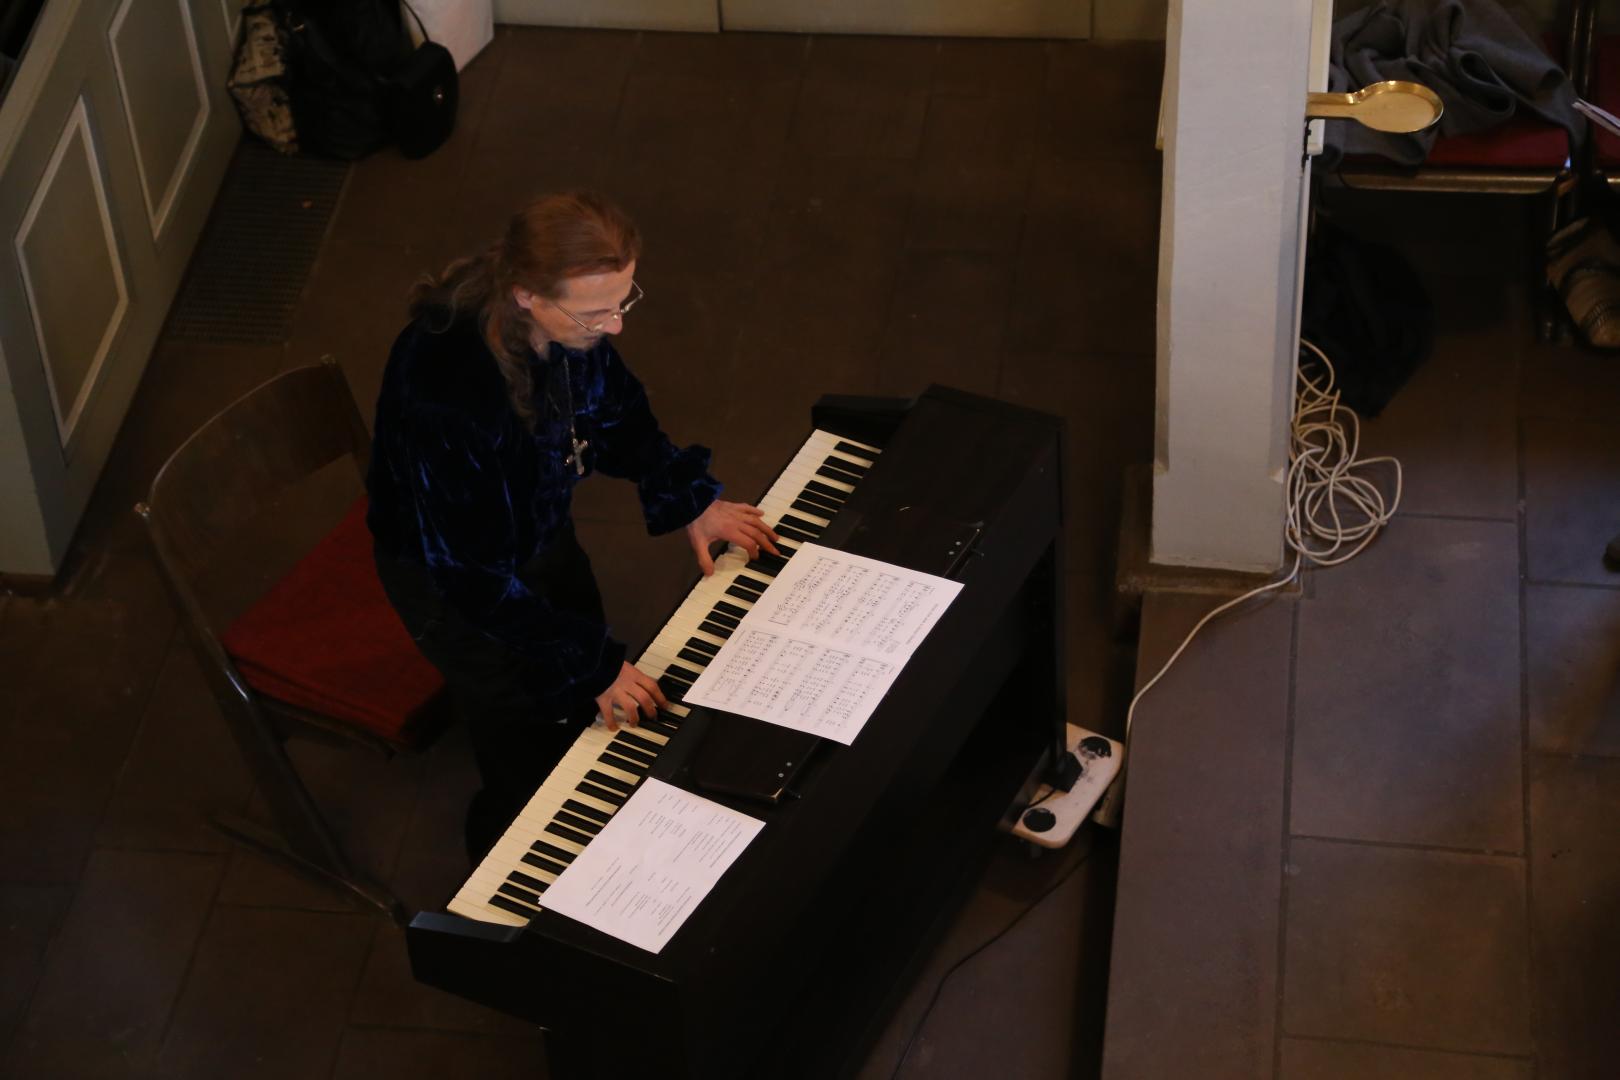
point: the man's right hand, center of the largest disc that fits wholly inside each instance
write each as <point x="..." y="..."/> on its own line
<point x="635" y="694"/>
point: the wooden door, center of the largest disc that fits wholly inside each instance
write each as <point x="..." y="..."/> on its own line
<point x="113" y="140"/>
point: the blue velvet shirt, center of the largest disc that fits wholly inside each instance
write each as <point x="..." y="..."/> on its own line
<point x="459" y="484"/>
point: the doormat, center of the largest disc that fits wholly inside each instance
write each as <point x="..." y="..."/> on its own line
<point x="258" y="249"/>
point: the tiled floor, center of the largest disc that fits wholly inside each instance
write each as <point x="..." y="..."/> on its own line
<point x="821" y="215"/>
<point x="1400" y="820"/>
<point x="1382" y="842"/>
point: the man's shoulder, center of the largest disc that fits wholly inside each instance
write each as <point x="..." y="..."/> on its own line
<point x="444" y="368"/>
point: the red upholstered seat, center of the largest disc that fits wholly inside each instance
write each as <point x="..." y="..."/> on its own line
<point x="325" y="639"/>
<point x="1525" y="142"/>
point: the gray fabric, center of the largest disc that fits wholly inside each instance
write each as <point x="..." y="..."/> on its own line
<point x="1470" y="52"/>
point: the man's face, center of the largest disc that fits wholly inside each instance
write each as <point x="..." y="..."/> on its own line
<point x="590" y="299"/>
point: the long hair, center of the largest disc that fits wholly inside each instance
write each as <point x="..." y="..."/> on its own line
<point x="554" y="238"/>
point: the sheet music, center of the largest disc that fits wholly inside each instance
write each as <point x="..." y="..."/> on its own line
<point x="652" y="865"/>
<point x="825" y="642"/>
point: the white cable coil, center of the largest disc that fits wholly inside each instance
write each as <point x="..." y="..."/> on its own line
<point x="1333" y="511"/>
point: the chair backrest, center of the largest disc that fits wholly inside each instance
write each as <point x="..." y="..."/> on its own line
<point x="235" y="466"/>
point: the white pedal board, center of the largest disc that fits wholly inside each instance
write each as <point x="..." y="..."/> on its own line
<point x="1054" y="822"/>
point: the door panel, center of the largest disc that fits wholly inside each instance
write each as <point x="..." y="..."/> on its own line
<point x="113" y="140"/>
<point x="156" y="56"/>
<point x="72" y="273"/>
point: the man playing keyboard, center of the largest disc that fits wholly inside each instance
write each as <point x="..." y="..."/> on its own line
<point x="502" y="393"/>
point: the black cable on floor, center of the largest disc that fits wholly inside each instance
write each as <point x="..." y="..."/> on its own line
<point x="939" y="987"/>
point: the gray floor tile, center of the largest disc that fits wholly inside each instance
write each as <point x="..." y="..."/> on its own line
<point x="864" y="96"/>
<point x="1312" y="1059"/>
<point x="1033" y="978"/>
<point x="390" y="997"/>
<point x="1559" y="381"/>
<point x="1104" y="99"/>
<point x="945" y="323"/>
<point x="999" y="67"/>
<point x="1088" y="259"/>
<point x="1570" y="508"/>
<point x="29" y="918"/>
<point x="116" y="968"/>
<point x="66" y="735"/>
<point x="1376" y="949"/>
<point x="1407" y="706"/>
<point x="1574" y="656"/>
<point x="182" y="768"/>
<point x="978" y="151"/>
<point x="1575" y="876"/>
<point x="695" y="97"/>
<point x="557" y="92"/>
<point x="389" y="1051"/>
<point x="356" y="326"/>
<point x="1454" y="425"/>
<point x="266" y="995"/>
<point x="366" y="801"/>
<point x="1195" y="980"/>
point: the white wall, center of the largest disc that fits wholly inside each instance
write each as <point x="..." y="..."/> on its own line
<point x="1235" y="83"/>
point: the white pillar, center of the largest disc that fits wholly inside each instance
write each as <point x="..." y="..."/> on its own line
<point x="1236" y="74"/>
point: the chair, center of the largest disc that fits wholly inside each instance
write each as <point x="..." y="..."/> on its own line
<point x="320" y="653"/>
<point x="1523" y="157"/>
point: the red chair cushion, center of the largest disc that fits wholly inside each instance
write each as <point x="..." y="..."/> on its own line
<point x="1525" y="142"/>
<point x="1606" y="93"/>
<point x="325" y="639"/>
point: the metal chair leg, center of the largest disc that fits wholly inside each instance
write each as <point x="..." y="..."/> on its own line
<point x="269" y="842"/>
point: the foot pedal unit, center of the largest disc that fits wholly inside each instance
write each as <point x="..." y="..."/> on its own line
<point x="1052" y="818"/>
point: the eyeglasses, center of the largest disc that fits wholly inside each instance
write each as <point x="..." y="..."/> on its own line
<point x="616" y="313"/>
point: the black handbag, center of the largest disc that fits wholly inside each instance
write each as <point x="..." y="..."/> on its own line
<point x="419" y="97"/>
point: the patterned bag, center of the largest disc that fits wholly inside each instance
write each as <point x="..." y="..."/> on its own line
<point x="258" y="80"/>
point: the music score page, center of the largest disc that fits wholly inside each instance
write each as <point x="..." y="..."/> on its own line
<point x="825" y="642"/>
<point x="651" y="866"/>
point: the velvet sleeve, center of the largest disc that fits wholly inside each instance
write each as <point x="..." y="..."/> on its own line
<point x="674" y="484"/>
<point x="469" y="543"/>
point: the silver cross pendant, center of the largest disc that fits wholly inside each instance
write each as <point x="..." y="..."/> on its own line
<point x="578" y="456"/>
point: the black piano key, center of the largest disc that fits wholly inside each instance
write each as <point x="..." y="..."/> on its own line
<point x="793" y="534"/>
<point x="596" y="776"/>
<point x="832" y="474"/>
<point x="729" y="609"/>
<point x="685" y="674"/>
<point x="661" y="726"/>
<point x="623" y="764"/>
<point x="818" y="504"/>
<point x="600" y="793"/>
<point x="692" y="656"/>
<point x="742" y="594"/>
<point x="751" y="583"/>
<point x="589" y="828"/>
<point x="715" y="628"/>
<point x="547" y="865"/>
<point x="577" y="807"/>
<point x="533" y="884"/>
<point x="571" y="835"/>
<point x="767" y="564"/>
<point x="729" y="621"/>
<point x="630" y="750"/>
<point x="812" y="508"/>
<point x="855" y="451"/>
<point x="524" y="895"/>
<point x="513" y="906"/>
<point x="673" y="689"/>
<point x="810" y="530"/>
<point x="834" y="462"/>
<point x="816" y="487"/>
<point x="646" y="746"/>
<point x="703" y="646"/>
<point x="540" y="847"/>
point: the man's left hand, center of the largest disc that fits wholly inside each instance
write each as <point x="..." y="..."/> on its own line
<point x="738" y="523"/>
